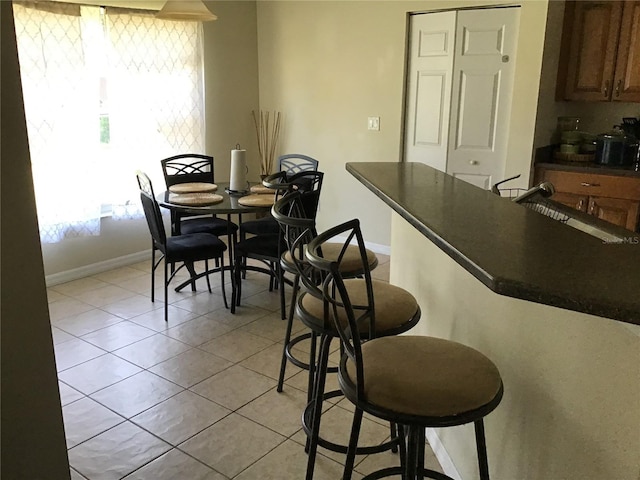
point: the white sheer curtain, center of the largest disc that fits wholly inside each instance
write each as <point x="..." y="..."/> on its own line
<point x="155" y="97"/>
<point x="62" y="110"/>
<point x="106" y="92"/>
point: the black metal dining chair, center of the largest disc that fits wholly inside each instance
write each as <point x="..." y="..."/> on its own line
<point x="269" y="247"/>
<point x="187" y="248"/>
<point x="194" y="168"/>
<point x="288" y="166"/>
<point x="416" y="382"/>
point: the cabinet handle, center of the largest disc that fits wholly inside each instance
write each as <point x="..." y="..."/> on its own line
<point x="587" y="184"/>
<point x="473" y="162"/>
<point x="618" y="85"/>
<point x="580" y="204"/>
<point x="606" y="89"/>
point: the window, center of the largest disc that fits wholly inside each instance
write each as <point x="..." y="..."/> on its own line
<point x="106" y="92"/>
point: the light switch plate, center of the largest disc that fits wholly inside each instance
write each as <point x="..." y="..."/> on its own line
<point x="374" y="123"/>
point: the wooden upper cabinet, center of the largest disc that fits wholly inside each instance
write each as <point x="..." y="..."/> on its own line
<point x="626" y="87"/>
<point x="600" y="51"/>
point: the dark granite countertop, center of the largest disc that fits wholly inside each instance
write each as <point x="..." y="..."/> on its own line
<point x="514" y="251"/>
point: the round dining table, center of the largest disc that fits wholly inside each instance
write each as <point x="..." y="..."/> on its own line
<point x="229" y="205"/>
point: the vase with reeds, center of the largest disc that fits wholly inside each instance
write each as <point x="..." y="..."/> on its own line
<point x="268" y="132"/>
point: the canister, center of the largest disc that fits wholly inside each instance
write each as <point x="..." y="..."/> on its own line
<point x="610" y="148"/>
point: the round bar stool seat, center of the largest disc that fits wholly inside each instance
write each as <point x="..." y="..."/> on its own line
<point x="439" y="380"/>
<point x="351" y="265"/>
<point x="421" y="382"/>
<point x="396" y="311"/>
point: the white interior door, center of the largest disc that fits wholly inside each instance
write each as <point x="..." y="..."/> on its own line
<point x="431" y="49"/>
<point x="484" y="68"/>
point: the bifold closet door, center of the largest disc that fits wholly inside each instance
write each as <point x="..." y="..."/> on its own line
<point x="459" y="88"/>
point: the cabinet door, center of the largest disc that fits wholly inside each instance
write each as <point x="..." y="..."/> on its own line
<point x="593" y="28"/>
<point x="578" y="202"/>
<point x="615" y="210"/>
<point x="627" y="79"/>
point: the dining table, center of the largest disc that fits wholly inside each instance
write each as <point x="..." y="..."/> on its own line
<point x="229" y="205"/>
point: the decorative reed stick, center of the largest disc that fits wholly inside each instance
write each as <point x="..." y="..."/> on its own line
<point x="268" y="134"/>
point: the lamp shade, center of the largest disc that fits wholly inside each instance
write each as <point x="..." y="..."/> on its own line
<point x="186" y="10"/>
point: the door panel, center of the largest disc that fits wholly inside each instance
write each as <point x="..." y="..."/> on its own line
<point x="431" y="51"/>
<point x="429" y="109"/>
<point x="477" y="110"/>
<point x="593" y="49"/>
<point x="482" y="181"/>
<point x="577" y="202"/>
<point x="484" y="67"/>
<point x="614" y="210"/>
<point x="627" y="78"/>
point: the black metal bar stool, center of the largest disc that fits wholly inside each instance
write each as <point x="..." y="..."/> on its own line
<point x="296" y="216"/>
<point x="396" y="312"/>
<point x="414" y="381"/>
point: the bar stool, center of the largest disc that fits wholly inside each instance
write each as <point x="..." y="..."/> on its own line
<point x="296" y="216"/>
<point x="414" y="381"/>
<point x="396" y="312"/>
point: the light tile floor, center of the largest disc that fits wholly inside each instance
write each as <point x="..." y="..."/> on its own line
<point x="193" y="398"/>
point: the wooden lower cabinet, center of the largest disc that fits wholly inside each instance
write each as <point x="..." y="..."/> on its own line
<point x="579" y="202"/>
<point x="612" y="198"/>
<point x="615" y="210"/>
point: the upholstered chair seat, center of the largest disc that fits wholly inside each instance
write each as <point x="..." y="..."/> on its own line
<point x="396" y="309"/>
<point x="423" y="376"/>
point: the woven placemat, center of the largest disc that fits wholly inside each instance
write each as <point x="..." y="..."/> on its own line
<point x="193" y="187"/>
<point x="256" y="200"/>
<point x="195" y="199"/>
<point x="260" y="189"/>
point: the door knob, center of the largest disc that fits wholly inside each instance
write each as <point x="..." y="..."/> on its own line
<point x="473" y="162"/>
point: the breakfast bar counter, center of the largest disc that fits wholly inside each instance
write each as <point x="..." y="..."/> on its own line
<point x="512" y="250"/>
<point x="557" y="310"/>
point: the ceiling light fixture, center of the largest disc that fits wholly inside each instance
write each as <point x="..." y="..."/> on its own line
<point x="186" y="10"/>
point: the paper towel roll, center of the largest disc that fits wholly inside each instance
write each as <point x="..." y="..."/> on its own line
<point x="238" y="181"/>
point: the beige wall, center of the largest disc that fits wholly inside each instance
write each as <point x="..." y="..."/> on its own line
<point x="33" y="443"/>
<point x="329" y="65"/>
<point x="231" y="84"/>
<point x="571" y="407"/>
<point x="326" y="66"/>
<point x="231" y="92"/>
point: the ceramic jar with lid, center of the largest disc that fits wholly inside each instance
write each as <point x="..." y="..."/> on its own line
<point x="616" y="148"/>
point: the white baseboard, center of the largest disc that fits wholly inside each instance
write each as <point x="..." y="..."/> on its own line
<point x="94" y="268"/>
<point x="374" y="247"/>
<point x="99" y="267"/>
<point x="441" y="454"/>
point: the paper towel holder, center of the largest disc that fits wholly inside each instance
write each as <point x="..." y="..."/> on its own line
<point x="228" y="189"/>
